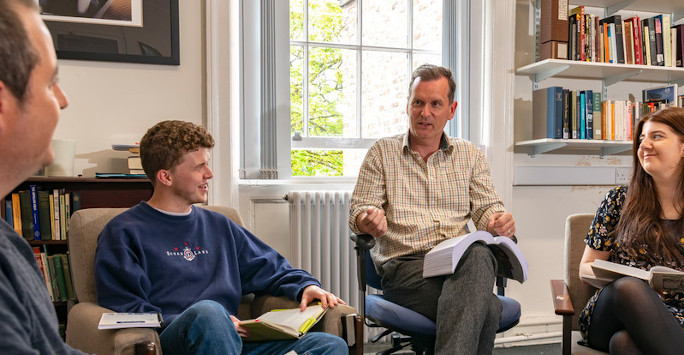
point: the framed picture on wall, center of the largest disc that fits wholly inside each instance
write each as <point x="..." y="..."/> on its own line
<point x="137" y="31"/>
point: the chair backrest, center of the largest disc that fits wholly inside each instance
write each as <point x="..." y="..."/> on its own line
<point x="372" y="277"/>
<point x="576" y="228"/>
<point x="84" y="229"/>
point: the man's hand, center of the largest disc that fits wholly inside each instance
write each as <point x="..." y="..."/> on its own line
<point x="243" y="332"/>
<point x="313" y="292"/>
<point x="373" y="222"/>
<point x="501" y="223"/>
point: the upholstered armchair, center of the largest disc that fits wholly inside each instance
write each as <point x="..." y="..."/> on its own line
<point x="83" y="318"/>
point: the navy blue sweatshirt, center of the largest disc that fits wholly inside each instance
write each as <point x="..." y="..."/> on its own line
<point x="148" y="261"/>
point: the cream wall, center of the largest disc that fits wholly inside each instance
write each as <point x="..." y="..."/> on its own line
<point x="115" y="103"/>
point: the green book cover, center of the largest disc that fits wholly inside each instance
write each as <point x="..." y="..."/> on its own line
<point x="44" y="215"/>
<point x="53" y="278"/>
<point x="67" y="276"/>
<point x="59" y="271"/>
<point x="597" y="115"/>
<point x="26" y="214"/>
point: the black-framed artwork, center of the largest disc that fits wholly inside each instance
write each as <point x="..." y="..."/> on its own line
<point x="138" y="31"/>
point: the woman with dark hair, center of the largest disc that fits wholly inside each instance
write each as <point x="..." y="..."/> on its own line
<point x="641" y="226"/>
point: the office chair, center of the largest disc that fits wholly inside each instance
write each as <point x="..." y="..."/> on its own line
<point x="406" y="326"/>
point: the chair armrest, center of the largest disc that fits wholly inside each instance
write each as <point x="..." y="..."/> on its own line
<point x="561" y="298"/>
<point x="82" y="333"/>
<point x="363" y="241"/>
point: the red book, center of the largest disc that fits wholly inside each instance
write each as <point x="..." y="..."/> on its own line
<point x="636" y="35"/>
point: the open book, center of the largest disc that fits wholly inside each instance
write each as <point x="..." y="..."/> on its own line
<point x="660" y="278"/>
<point x="283" y="324"/>
<point x="443" y="258"/>
<point x="130" y="320"/>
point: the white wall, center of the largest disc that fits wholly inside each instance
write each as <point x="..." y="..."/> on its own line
<point x="115" y="103"/>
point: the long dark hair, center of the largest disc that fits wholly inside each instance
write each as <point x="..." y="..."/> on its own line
<point x="641" y="229"/>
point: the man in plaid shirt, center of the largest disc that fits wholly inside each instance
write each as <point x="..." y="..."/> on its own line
<point x="418" y="189"/>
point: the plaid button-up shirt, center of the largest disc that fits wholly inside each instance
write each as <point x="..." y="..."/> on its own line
<point x="424" y="202"/>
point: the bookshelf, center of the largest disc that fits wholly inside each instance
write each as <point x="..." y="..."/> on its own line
<point x="608" y="73"/>
<point x="94" y="193"/>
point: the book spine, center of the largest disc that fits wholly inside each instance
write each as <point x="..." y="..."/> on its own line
<point x="75" y="201"/>
<point x="566" y="114"/>
<point x="597" y="114"/>
<point x="33" y="193"/>
<point x="680" y="46"/>
<point x="61" y="283"/>
<point x="652" y="41"/>
<point x="16" y="213"/>
<point x="62" y="216"/>
<point x="9" y="217"/>
<point x="667" y="44"/>
<point x="53" y="278"/>
<point x="660" y="58"/>
<point x="583" y="115"/>
<point x="51" y="201"/>
<point x="67" y="276"/>
<point x="26" y="215"/>
<point x="558" y="113"/>
<point x="590" y="114"/>
<point x="57" y="234"/>
<point x="619" y="40"/>
<point x="636" y="33"/>
<point x="48" y="283"/>
<point x="44" y="215"/>
<point x="575" y="112"/>
<point x="67" y="213"/>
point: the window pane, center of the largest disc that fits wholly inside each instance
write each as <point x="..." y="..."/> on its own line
<point x="331" y="22"/>
<point x="385" y="88"/>
<point x="421" y="58"/>
<point x="427" y="24"/>
<point x="385" y="23"/>
<point x="332" y="78"/>
<point x="296" y="89"/>
<point x="296" y="20"/>
<point x="316" y="162"/>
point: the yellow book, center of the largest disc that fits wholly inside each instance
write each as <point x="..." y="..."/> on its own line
<point x="283" y="324"/>
<point x="16" y="213"/>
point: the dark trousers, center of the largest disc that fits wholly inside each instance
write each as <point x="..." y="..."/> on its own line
<point x="465" y="309"/>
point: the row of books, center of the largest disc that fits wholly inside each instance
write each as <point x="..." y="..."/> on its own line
<point x="57" y="274"/>
<point x="38" y="214"/>
<point x="582" y="114"/>
<point x="650" y="41"/>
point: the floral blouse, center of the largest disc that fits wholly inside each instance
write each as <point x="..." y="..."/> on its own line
<point x="605" y="221"/>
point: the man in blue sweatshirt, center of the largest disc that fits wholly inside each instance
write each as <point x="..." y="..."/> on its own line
<point x="193" y="265"/>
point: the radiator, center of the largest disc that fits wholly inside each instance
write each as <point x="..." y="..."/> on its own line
<point x="320" y="244"/>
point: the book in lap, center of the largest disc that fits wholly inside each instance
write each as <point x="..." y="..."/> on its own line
<point x="444" y="257"/>
<point x="660" y="278"/>
<point x="130" y="320"/>
<point x="283" y="324"/>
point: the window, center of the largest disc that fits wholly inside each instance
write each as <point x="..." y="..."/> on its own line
<point x="349" y="65"/>
<point x="350" y="62"/>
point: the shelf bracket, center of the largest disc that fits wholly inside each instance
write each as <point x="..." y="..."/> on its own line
<point x="549" y="73"/>
<point x="618" y="78"/>
<point x="610" y="10"/>
<point x="546" y="148"/>
<point x="613" y="150"/>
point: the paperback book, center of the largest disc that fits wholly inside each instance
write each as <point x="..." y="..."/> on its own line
<point x="443" y="258"/>
<point x="283" y="324"/>
<point x="660" y="278"/>
<point x="130" y="320"/>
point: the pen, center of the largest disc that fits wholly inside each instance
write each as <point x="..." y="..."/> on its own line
<point x="130" y="321"/>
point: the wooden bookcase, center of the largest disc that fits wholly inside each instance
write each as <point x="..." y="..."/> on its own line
<point x="94" y="193"/>
<point x="608" y="73"/>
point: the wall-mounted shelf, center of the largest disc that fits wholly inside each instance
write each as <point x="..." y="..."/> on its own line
<point x="675" y="7"/>
<point x="546" y="145"/>
<point x="611" y="73"/>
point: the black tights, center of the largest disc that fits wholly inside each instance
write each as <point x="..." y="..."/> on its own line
<point x="630" y="318"/>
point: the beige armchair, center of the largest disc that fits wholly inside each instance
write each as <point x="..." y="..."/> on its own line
<point x="82" y="333"/>
<point x="571" y="295"/>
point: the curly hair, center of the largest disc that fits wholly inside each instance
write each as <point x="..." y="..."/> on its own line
<point x="428" y="72"/>
<point x="18" y="56"/>
<point x="640" y="226"/>
<point x="163" y="145"/>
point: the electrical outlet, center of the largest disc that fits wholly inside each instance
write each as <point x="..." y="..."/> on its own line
<point x="622" y="175"/>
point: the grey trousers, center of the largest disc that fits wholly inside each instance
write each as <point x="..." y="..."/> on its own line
<point x="465" y="309"/>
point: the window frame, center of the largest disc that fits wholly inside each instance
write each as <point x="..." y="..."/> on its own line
<point x="271" y="160"/>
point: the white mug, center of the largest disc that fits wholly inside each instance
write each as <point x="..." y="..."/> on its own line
<point x="65" y="151"/>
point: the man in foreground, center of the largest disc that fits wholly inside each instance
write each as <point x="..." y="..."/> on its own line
<point x="419" y="189"/>
<point x="192" y="265"/>
<point x="30" y="101"/>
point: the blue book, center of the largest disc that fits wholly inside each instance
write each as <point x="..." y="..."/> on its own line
<point x="583" y="116"/>
<point x="9" y="216"/>
<point x="590" y="114"/>
<point x="547" y="113"/>
<point x="34" y="211"/>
